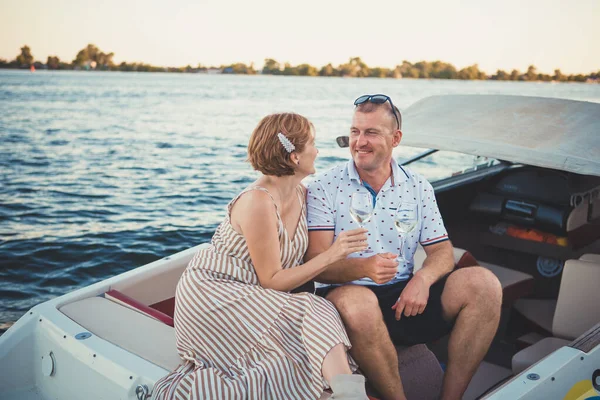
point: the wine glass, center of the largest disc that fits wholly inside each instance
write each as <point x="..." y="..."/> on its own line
<point x="361" y="208"/>
<point x="405" y="220"/>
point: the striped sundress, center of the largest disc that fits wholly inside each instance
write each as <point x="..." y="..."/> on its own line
<point x="238" y="340"/>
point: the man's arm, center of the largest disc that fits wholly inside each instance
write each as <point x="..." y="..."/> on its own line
<point x="380" y="267"/>
<point x="439" y="262"/>
<point x="414" y="297"/>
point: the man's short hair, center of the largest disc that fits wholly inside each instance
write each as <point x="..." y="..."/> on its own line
<point x="369" y="107"/>
<point x="266" y="154"/>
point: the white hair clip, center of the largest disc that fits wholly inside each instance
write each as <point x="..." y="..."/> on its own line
<point x="289" y="146"/>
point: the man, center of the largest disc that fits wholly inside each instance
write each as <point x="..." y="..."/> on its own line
<point x="380" y="301"/>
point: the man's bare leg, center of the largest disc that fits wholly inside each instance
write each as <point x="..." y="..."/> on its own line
<point x="473" y="296"/>
<point x="372" y="347"/>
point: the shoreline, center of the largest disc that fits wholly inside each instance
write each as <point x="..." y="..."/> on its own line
<point x="45" y="70"/>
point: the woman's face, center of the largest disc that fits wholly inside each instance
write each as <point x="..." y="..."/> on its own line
<point x="307" y="156"/>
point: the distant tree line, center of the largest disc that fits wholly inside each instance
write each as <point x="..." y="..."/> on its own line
<point x="92" y="58"/>
<point x="355" y="67"/>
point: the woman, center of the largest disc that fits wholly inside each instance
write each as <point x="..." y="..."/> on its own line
<point x="240" y="333"/>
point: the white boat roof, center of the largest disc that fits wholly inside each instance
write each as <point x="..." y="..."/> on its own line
<point x="545" y="132"/>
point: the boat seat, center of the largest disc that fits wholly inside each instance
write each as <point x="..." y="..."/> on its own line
<point x="590" y="257"/>
<point x="515" y="284"/>
<point x="462" y="258"/>
<point x="420" y="371"/>
<point x="154" y="341"/>
<point x="137" y="333"/>
<point x="574" y="312"/>
<point x="534" y="353"/>
<point x="120" y="298"/>
<point x="568" y="317"/>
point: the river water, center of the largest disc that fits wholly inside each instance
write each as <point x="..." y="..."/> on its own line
<point x="102" y="172"/>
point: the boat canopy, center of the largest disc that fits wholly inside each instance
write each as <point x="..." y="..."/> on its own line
<point x="545" y="132"/>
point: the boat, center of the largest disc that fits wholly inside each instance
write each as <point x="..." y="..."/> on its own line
<point x="522" y="198"/>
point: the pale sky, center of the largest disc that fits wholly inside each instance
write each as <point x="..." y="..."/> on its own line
<point x="503" y="34"/>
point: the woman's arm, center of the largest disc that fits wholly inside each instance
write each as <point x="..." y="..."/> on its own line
<point x="256" y="219"/>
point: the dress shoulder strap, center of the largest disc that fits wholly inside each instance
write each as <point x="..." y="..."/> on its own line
<point x="255" y="187"/>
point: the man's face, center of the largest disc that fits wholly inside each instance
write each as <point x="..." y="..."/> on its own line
<point x="372" y="139"/>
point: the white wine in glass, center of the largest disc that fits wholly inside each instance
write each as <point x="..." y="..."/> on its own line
<point x="361" y="210"/>
<point x="405" y="220"/>
<point x="404" y="227"/>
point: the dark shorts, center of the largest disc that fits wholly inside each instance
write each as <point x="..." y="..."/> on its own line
<point x="422" y="328"/>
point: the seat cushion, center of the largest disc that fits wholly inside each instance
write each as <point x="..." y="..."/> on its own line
<point x="124" y="300"/>
<point x="166" y="306"/>
<point x="534" y="353"/>
<point x="578" y="298"/>
<point x="420" y="372"/>
<point x="462" y="258"/>
<point x="590" y="257"/>
<point x="143" y="336"/>
<point x="515" y="284"/>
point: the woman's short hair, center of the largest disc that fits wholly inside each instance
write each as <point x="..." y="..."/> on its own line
<point x="266" y="154"/>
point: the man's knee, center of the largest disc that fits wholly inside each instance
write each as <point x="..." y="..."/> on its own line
<point x="357" y="305"/>
<point x="477" y="284"/>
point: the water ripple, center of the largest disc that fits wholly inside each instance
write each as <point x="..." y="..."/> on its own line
<point x="104" y="172"/>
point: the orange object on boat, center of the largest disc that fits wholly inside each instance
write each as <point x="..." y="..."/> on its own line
<point x="536" y="235"/>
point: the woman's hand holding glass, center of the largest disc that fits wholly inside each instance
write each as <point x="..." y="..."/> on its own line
<point x="348" y="242"/>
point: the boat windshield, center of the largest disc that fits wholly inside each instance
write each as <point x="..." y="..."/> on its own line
<point x="436" y="165"/>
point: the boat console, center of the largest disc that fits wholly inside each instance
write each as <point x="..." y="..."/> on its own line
<point x="561" y="207"/>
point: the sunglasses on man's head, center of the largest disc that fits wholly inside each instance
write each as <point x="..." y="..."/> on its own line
<point x="377" y="99"/>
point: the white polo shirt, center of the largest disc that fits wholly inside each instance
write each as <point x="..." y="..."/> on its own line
<point x="328" y="202"/>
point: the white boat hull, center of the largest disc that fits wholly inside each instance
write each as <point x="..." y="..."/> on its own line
<point x="42" y="359"/>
